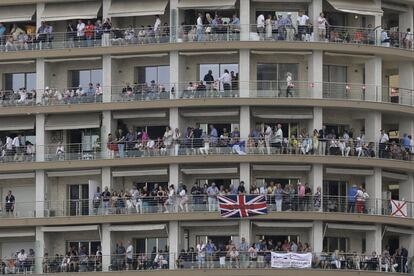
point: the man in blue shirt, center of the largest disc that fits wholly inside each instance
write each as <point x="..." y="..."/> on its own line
<point x="210" y="249"/>
<point x="212" y="193"/>
<point x="351" y="198"/>
<point x="406" y="142"/>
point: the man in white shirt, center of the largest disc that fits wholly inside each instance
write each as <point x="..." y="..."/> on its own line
<point x="303" y="23"/>
<point x="16" y="146"/>
<point x="200" y="27"/>
<point x="225" y="79"/>
<point x="261" y="25"/>
<point x="157" y="27"/>
<point x="384" y="139"/>
<point x="130" y="255"/>
<point x="278" y="139"/>
<point x="268" y="136"/>
<point x="80" y="32"/>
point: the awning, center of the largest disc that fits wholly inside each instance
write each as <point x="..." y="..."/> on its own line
<point x="77" y="228"/>
<point x="210" y="171"/>
<point x="126" y="8"/>
<point x="143" y="227"/>
<point x="211" y="113"/>
<point x="139" y="114"/>
<point x="355" y="227"/>
<point x="284" y="114"/>
<point x="17" y="13"/>
<point x="399" y="230"/>
<point x="16" y="175"/>
<point x="139" y="173"/>
<point x="74" y="121"/>
<point x="271" y="224"/>
<point x="363" y="7"/>
<point x="281" y="168"/>
<point x="72" y="10"/>
<point x="17" y="123"/>
<point x="349" y="171"/>
<point x="218" y="223"/>
<point x="394" y="176"/>
<point x="73" y="173"/>
<point x="209" y="5"/>
<point x="7" y="233"/>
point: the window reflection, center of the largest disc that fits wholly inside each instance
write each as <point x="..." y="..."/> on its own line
<point x="16" y="81"/>
<point x="84" y="77"/>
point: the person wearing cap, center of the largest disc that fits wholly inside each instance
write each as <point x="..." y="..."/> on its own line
<point x="351" y="198"/>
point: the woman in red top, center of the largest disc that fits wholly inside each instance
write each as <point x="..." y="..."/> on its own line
<point x="89" y="33"/>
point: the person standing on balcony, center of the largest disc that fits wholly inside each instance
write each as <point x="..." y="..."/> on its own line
<point x="89" y="33"/>
<point x="130" y="256"/>
<point x="10" y="201"/>
<point x="200" y="27"/>
<point x="209" y="80"/>
<point x="290" y="30"/>
<point x="408" y="39"/>
<point x="351" y="198"/>
<point x="303" y="23"/>
<point x="322" y="24"/>
<point x="269" y="30"/>
<point x="80" y="28"/>
<point x="384" y="139"/>
<point x="226" y="80"/>
<point x="212" y="193"/>
<point x="106" y="28"/>
<point x="2" y="35"/>
<point x="260" y="24"/>
<point x="157" y="28"/>
<point x="235" y="26"/>
<point x="323" y="134"/>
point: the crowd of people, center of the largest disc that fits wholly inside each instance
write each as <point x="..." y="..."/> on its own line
<point x="205" y="255"/>
<point x="206" y="27"/>
<point x="14" y="150"/>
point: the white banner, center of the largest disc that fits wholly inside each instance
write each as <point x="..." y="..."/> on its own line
<point x="399" y="208"/>
<point x="291" y="260"/>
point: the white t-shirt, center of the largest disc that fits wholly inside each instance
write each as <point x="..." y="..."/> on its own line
<point x="302" y="20"/>
<point x="321" y="22"/>
<point x="225" y="78"/>
<point x="9" y="143"/>
<point x="16" y="142"/>
<point x="279" y="136"/>
<point x="81" y="27"/>
<point x="199" y="23"/>
<point x="129" y="252"/>
<point x="384" y="138"/>
<point x="260" y="21"/>
<point x="157" y="24"/>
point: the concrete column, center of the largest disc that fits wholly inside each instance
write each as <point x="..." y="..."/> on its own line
<point x="244" y="73"/>
<point x="174" y="19"/>
<point x="176" y="72"/>
<point x="374" y="240"/>
<point x="316" y="179"/>
<point x="407" y="193"/>
<point x="106" y="247"/>
<point x="378" y="23"/>
<point x="316" y="238"/>
<point x="245" y="19"/>
<point x="406" y="77"/>
<point x="106" y="178"/>
<point x="40" y="137"/>
<point x="40" y="78"/>
<point x="107" y="78"/>
<point x="106" y="4"/>
<point x="39" y="249"/>
<point x="40" y="7"/>
<point x="174" y="118"/>
<point x="245" y="126"/>
<point x="40" y="190"/>
<point x="317" y="121"/>
<point x="245" y="230"/>
<point x="373" y="79"/>
<point x="315" y="75"/>
<point x="174" y="243"/>
<point x="373" y="125"/>
<point x="108" y="126"/>
<point x="406" y="19"/>
<point x="245" y="175"/>
<point x="174" y="174"/>
<point x="315" y="8"/>
<point x="373" y="185"/>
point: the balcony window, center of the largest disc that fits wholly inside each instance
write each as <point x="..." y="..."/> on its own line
<point x="159" y="74"/>
<point x="147" y="245"/>
<point x="15" y="81"/>
<point x="91" y="246"/>
<point x="217" y="71"/>
<point x="272" y="76"/>
<point x="330" y="244"/>
<point x="84" y="77"/>
<point x="335" y="81"/>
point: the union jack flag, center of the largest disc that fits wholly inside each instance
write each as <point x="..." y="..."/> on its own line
<point x="241" y="206"/>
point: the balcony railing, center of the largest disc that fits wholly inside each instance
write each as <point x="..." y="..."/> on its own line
<point x="139" y="203"/>
<point x="198" y="90"/>
<point x="254" y="260"/>
<point x="211" y="34"/>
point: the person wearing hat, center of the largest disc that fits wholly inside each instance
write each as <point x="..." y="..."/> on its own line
<point x="352" y="193"/>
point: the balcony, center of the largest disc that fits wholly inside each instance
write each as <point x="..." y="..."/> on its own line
<point x="189" y="33"/>
<point x="196" y="90"/>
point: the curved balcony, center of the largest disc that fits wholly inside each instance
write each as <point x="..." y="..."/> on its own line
<point x="145" y="93"/>
<point x="189" y="33"/>
<point x="234" y="261"/>
<point x="145" y="204"/>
